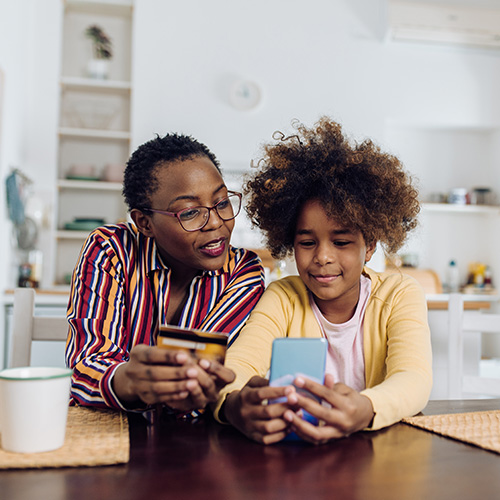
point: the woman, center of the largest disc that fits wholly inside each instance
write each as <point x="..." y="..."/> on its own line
<point x="174" y="265"/>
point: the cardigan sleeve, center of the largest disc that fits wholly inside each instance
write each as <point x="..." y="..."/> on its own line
<point x="398" y="356"/>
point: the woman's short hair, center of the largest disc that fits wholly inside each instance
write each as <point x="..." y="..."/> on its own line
<point x="140" y="179"/>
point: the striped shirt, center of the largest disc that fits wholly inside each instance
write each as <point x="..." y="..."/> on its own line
<point x="118" y="282"/>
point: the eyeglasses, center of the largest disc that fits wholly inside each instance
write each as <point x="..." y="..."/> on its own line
<point x="196" y="218"/>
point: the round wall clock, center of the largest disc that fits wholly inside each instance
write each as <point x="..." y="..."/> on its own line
<point x="244" y="95"/>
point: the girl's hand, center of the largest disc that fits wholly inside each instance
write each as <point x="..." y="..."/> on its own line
<point x="349" y="412"/>
<point x="248" y="411"/>
<point x="156" y="375"/>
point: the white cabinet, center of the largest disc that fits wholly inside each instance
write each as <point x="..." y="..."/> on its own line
<point x="442" y="158"/>
<point x="94" y="126"/>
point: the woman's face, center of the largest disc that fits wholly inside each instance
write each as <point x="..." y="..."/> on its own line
<point x="330" y="259"/>
<point x="183" y="184"/>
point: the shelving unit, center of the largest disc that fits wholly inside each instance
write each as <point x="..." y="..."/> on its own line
<point x="94" y="125"/>
<point x="461" y="209"/>
<point x="442" y="157"/>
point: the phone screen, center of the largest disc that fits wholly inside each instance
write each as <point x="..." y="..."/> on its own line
<point x="292" y="357"/>
<point x="297" y="356"/>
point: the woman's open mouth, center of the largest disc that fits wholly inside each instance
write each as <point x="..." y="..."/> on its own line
<point x="214" y="248"/>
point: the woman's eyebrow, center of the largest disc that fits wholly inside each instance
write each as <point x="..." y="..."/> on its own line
<point x="191" y="197"/>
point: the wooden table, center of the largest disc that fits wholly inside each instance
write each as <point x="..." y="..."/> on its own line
<point x="203" y="460"/>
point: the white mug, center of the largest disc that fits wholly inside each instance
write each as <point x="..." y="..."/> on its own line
<point x="33" y="408"/>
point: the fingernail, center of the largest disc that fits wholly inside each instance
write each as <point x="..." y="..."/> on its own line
<point x="288" y="415"/>
<point x="192" y="373"/>
<point x="204" y="363"/>
<point x="191" y="384"/>
<point x="292" y="399"/>
<point x="289" y="390"/>
<point x="181" y="357"/>
<point x="299" y="381"/>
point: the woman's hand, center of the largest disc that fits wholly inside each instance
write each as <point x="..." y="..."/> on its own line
<point x="349" y="412"/>
<point x="156" y="375"/>
<point x="248" y="411"/>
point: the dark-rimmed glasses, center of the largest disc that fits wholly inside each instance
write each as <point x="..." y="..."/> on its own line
<point x="196" y="218"/>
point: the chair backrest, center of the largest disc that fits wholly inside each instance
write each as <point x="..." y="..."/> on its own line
<point x="460" y="325"/>
<point x="28" y="327"/>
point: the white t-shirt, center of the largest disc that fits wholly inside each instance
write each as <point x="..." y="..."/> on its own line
<point x="345" y="358"/>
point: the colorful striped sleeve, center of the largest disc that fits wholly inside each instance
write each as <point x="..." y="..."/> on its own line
<point x="98" y="338"/>
<point x="226" y="302"/>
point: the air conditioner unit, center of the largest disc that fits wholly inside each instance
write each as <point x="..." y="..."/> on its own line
<point x="445" y="24"/>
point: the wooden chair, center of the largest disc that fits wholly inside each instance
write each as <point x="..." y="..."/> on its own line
<point x="459" y="326"/>
<point x="28" y="327"/>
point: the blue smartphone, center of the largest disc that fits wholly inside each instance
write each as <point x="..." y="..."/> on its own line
<point x="298" y="356"/>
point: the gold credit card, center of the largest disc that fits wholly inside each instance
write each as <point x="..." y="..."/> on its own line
<point x="209" y="345"/>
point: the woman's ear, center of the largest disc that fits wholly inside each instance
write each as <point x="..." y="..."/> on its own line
<point x="142" y="221"/>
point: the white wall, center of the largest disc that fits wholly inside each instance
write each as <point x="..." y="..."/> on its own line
<point x="13" y="48"/>
<point x="329" y="58"/>
<point x="324" y="57"/>
<point x="29" y="59"/>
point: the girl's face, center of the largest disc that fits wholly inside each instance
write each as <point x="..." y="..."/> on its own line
<point x="183" y="184"/>
<point x="330" y="259"/>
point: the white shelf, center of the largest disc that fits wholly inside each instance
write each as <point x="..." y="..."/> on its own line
<point x="106" y="7"/>
<point x="94" y="134"/>
<point x="461" y="209"/>
<point x="90" y="185"/>
<point x="71" y="235"/>
<point x="467" y="297"/>
<point x="81" y="83"/>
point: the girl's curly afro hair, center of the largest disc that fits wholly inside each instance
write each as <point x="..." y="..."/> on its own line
<point x="358" y="184"/>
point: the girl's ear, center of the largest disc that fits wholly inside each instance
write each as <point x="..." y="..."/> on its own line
<point x="142" y="221"/>
<point x="370" y="250"/>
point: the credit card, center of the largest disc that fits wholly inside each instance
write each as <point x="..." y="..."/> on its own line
<point x="208" y="345"/>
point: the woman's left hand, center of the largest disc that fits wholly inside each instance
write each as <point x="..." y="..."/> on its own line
<point x="350" y="411"/>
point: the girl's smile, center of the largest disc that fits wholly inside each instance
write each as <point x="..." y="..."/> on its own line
<point x="325" y="278"/>
<point x="330" y="259"/>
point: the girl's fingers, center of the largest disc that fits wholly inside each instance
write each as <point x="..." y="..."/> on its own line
<point x="314" y="434"/>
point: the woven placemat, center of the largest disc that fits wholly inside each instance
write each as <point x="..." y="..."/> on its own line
<point x="480" y="428"/>
<point x="93" y="437"/>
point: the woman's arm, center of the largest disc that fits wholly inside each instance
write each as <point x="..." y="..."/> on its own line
<point x="243" y="289"/>
<point x="98" y="336"/>
<point x="108" y="344"/>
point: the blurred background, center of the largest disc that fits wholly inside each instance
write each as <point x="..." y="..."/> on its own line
<point x="419" y="78"/>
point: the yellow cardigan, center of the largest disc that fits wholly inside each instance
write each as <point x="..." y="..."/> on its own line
<point x="397" y="346"/>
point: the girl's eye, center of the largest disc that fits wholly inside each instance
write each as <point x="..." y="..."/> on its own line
<point x="306" y="243"/>
<point x="341" y="243"/>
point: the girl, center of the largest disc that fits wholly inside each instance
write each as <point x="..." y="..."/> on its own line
<point x="173" y="265"/>
<point x="330" y="202"/>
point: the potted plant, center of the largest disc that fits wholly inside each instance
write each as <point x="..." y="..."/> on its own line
<point x="98" y="66"/>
